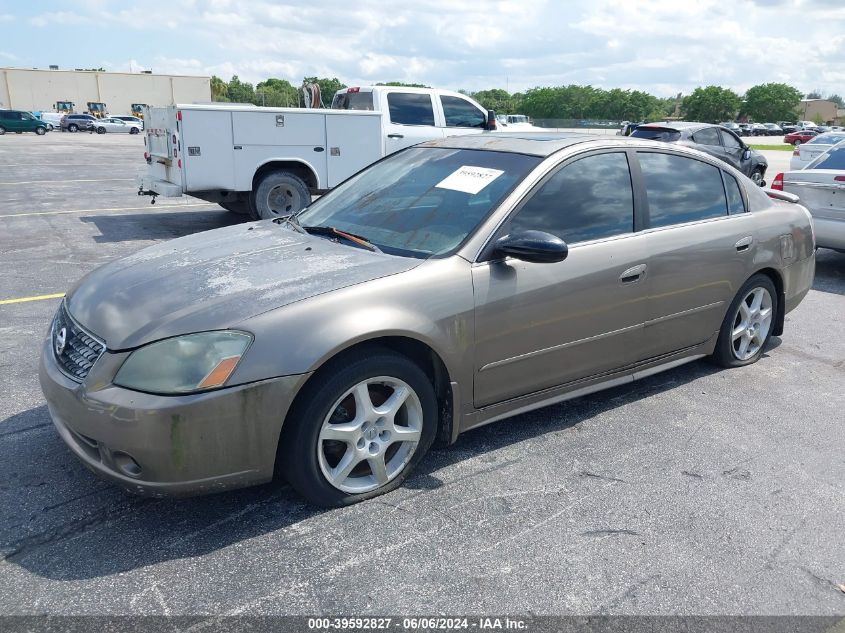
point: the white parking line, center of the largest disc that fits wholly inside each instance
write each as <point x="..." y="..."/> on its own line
<point x="148" y="207"/>
<point x="54" y="182"/>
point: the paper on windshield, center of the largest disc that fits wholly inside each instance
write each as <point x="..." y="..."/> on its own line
<point x="469" y="179"/>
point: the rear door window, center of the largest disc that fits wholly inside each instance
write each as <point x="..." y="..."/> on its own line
<point x="588" y="199"/>
<point x="729" y="140"/>
<point x="681" y="189"/>
<point x="461" y="113"/>
<point x="735" y="203"/>
<point x="707" y="136"/>
<point x="410" y="108"/>
<point x="656" y="133"/>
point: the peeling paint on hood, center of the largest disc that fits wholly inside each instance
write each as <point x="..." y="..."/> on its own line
<point x="215" y="279"/>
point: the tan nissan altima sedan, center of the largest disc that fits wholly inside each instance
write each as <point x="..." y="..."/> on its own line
<point x="452" y="284"/>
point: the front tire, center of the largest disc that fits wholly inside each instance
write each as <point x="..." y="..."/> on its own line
<point x="133" y="130"/>
<point x="101" y="130"/>
<point x="280" y="193"/>
<point x="358" y="431"/>
<point x="40" y="131"/>
<point x="757" y="177"/>
<point x="2" y="130"/>
<point x="73" y="127"/>
<point x="748" y="324"/>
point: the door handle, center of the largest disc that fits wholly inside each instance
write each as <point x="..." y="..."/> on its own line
<point x="633" y="274"/>
<point x="395" y="136"/>
<point x="743" y="244"/>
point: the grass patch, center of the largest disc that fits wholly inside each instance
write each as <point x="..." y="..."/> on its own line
<point x="778" y="148"/>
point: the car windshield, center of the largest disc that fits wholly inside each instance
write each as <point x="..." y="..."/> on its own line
<point x="834" y="158"/>
<point x="656" y="133"/>
<point x="828" y="139"/>
<point x="420" y="202"/>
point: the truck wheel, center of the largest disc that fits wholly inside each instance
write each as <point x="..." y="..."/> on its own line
<point x="238" y="207"/>
<point x="40" y="131"/>
<point x="280" y="193"/>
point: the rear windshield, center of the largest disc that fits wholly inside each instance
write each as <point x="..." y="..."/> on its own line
<point x="834" y="158"/>
<point x="656" y="133"/>
<point x="353" y="101"/>
<point x="831" y="138"/>
<point x="421" y="202"/>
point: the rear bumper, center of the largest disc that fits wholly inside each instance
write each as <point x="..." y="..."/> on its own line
<point x="829" y="233"/>
<point x="150" y="186"/>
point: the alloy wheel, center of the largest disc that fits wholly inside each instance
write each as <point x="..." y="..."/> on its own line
<point x="751" y="323"/>
<point x="370" y="434"/>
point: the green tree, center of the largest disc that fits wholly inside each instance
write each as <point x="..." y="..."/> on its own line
<point x="711" y="105"/>
<point x="327" y="87"/>
<point x="239" y="91"/>
<point x="219" y="89"/>
<point x="276" y="93"/>
<point x="814" y="94"/>
<point x="837" y="100"/>
<point x="495" y="99"/>
<point x="772" y="102"/>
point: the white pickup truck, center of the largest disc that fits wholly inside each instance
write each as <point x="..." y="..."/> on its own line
<point x="268" y="162"/>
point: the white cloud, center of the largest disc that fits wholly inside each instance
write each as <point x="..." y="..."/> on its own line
<point x="661" y="46"/>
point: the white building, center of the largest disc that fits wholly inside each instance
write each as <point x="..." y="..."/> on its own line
<point x="26" y="89"/>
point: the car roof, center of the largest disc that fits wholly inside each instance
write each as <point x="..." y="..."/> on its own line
<point x="533" y="143"/>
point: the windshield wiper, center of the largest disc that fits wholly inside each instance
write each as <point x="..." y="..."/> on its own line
<point x="350" y="237"/>
<point x="292" y="221"/>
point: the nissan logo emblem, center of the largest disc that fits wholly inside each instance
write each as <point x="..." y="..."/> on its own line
<point x="61" y="341"/>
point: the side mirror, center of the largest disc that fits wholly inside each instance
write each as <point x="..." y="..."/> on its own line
<point x="491" y="120"/>
<point x="746" y="154"/>
<point x="533" y="246"/>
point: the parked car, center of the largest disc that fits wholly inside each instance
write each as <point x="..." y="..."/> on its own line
<point x="131" y="120"/>
<point x="799" y="136"/>
<point x="806" y="125"/>
<point x="76" y="122"/>
<point x="773" y="129"/>
<point x="787" y="127"/>
<point x="20" y="121"/>
<point x="758" y="129"/>
<point x="805" y="153"/>
<point x="821" y="129"/>
<point x="745" y="129"/>
<point x="114" y="125"/>
<point x="628" y="127"/>
<point x="408" y="298"/>
<point x="821" y="188"/>
<point x="52" y="119"/>
<point x="713" y="139"/>
<point x="733" y="127"/>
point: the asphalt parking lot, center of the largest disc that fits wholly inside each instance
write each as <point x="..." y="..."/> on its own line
<point x="696" y="491"/>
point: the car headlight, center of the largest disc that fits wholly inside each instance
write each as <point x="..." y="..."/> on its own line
<point x="184" y="364"/>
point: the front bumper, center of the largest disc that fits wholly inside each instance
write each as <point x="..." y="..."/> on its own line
<point x="170" y="445"/>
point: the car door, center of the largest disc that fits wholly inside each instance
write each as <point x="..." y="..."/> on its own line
<point x="410" y="120"/>
<point x="461" y="116"/>
<point x="539" y="325"/>
<point x="735" y="151"/>
<point x="707" y="140"/>
<point x="700" y="244"/>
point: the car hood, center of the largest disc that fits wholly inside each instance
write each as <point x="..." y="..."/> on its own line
<point x="216" y="279"/>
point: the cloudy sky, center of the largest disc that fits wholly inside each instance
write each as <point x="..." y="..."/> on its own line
<point x="661" y="46"/>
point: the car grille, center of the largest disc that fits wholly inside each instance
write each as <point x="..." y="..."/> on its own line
<point x="75" y="349"/>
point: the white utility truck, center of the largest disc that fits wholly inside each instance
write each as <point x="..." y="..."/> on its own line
<point x="268" y="162"/>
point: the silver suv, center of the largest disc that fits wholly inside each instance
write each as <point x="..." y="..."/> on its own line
<point x="76" y="122"/>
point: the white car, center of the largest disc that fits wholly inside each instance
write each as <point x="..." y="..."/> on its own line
<point x="115" y="125"/>
<point x="805" y="153"/>
<point x="52" y="119"/>
<point x="515" y="123"/>
<point x="131" y="120"/>
<point x="820" y="187"/>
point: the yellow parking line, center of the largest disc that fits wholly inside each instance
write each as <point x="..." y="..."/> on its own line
<point x="150" y="207"/>
<point x="53" y="182"/>
<point x="58" y="295"/>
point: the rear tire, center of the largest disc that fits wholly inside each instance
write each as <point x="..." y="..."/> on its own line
<point x="238" y="207"/>
<point x="352" y="401"/>
<point x="748" y="325"/>
<point x="2" y="130"/>
<point x="280" y="193"/>
<point x="133" y="130"/>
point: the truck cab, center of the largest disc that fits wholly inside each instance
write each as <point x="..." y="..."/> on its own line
<point x="97" y="109"/>
<point x="414" y="115"/>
